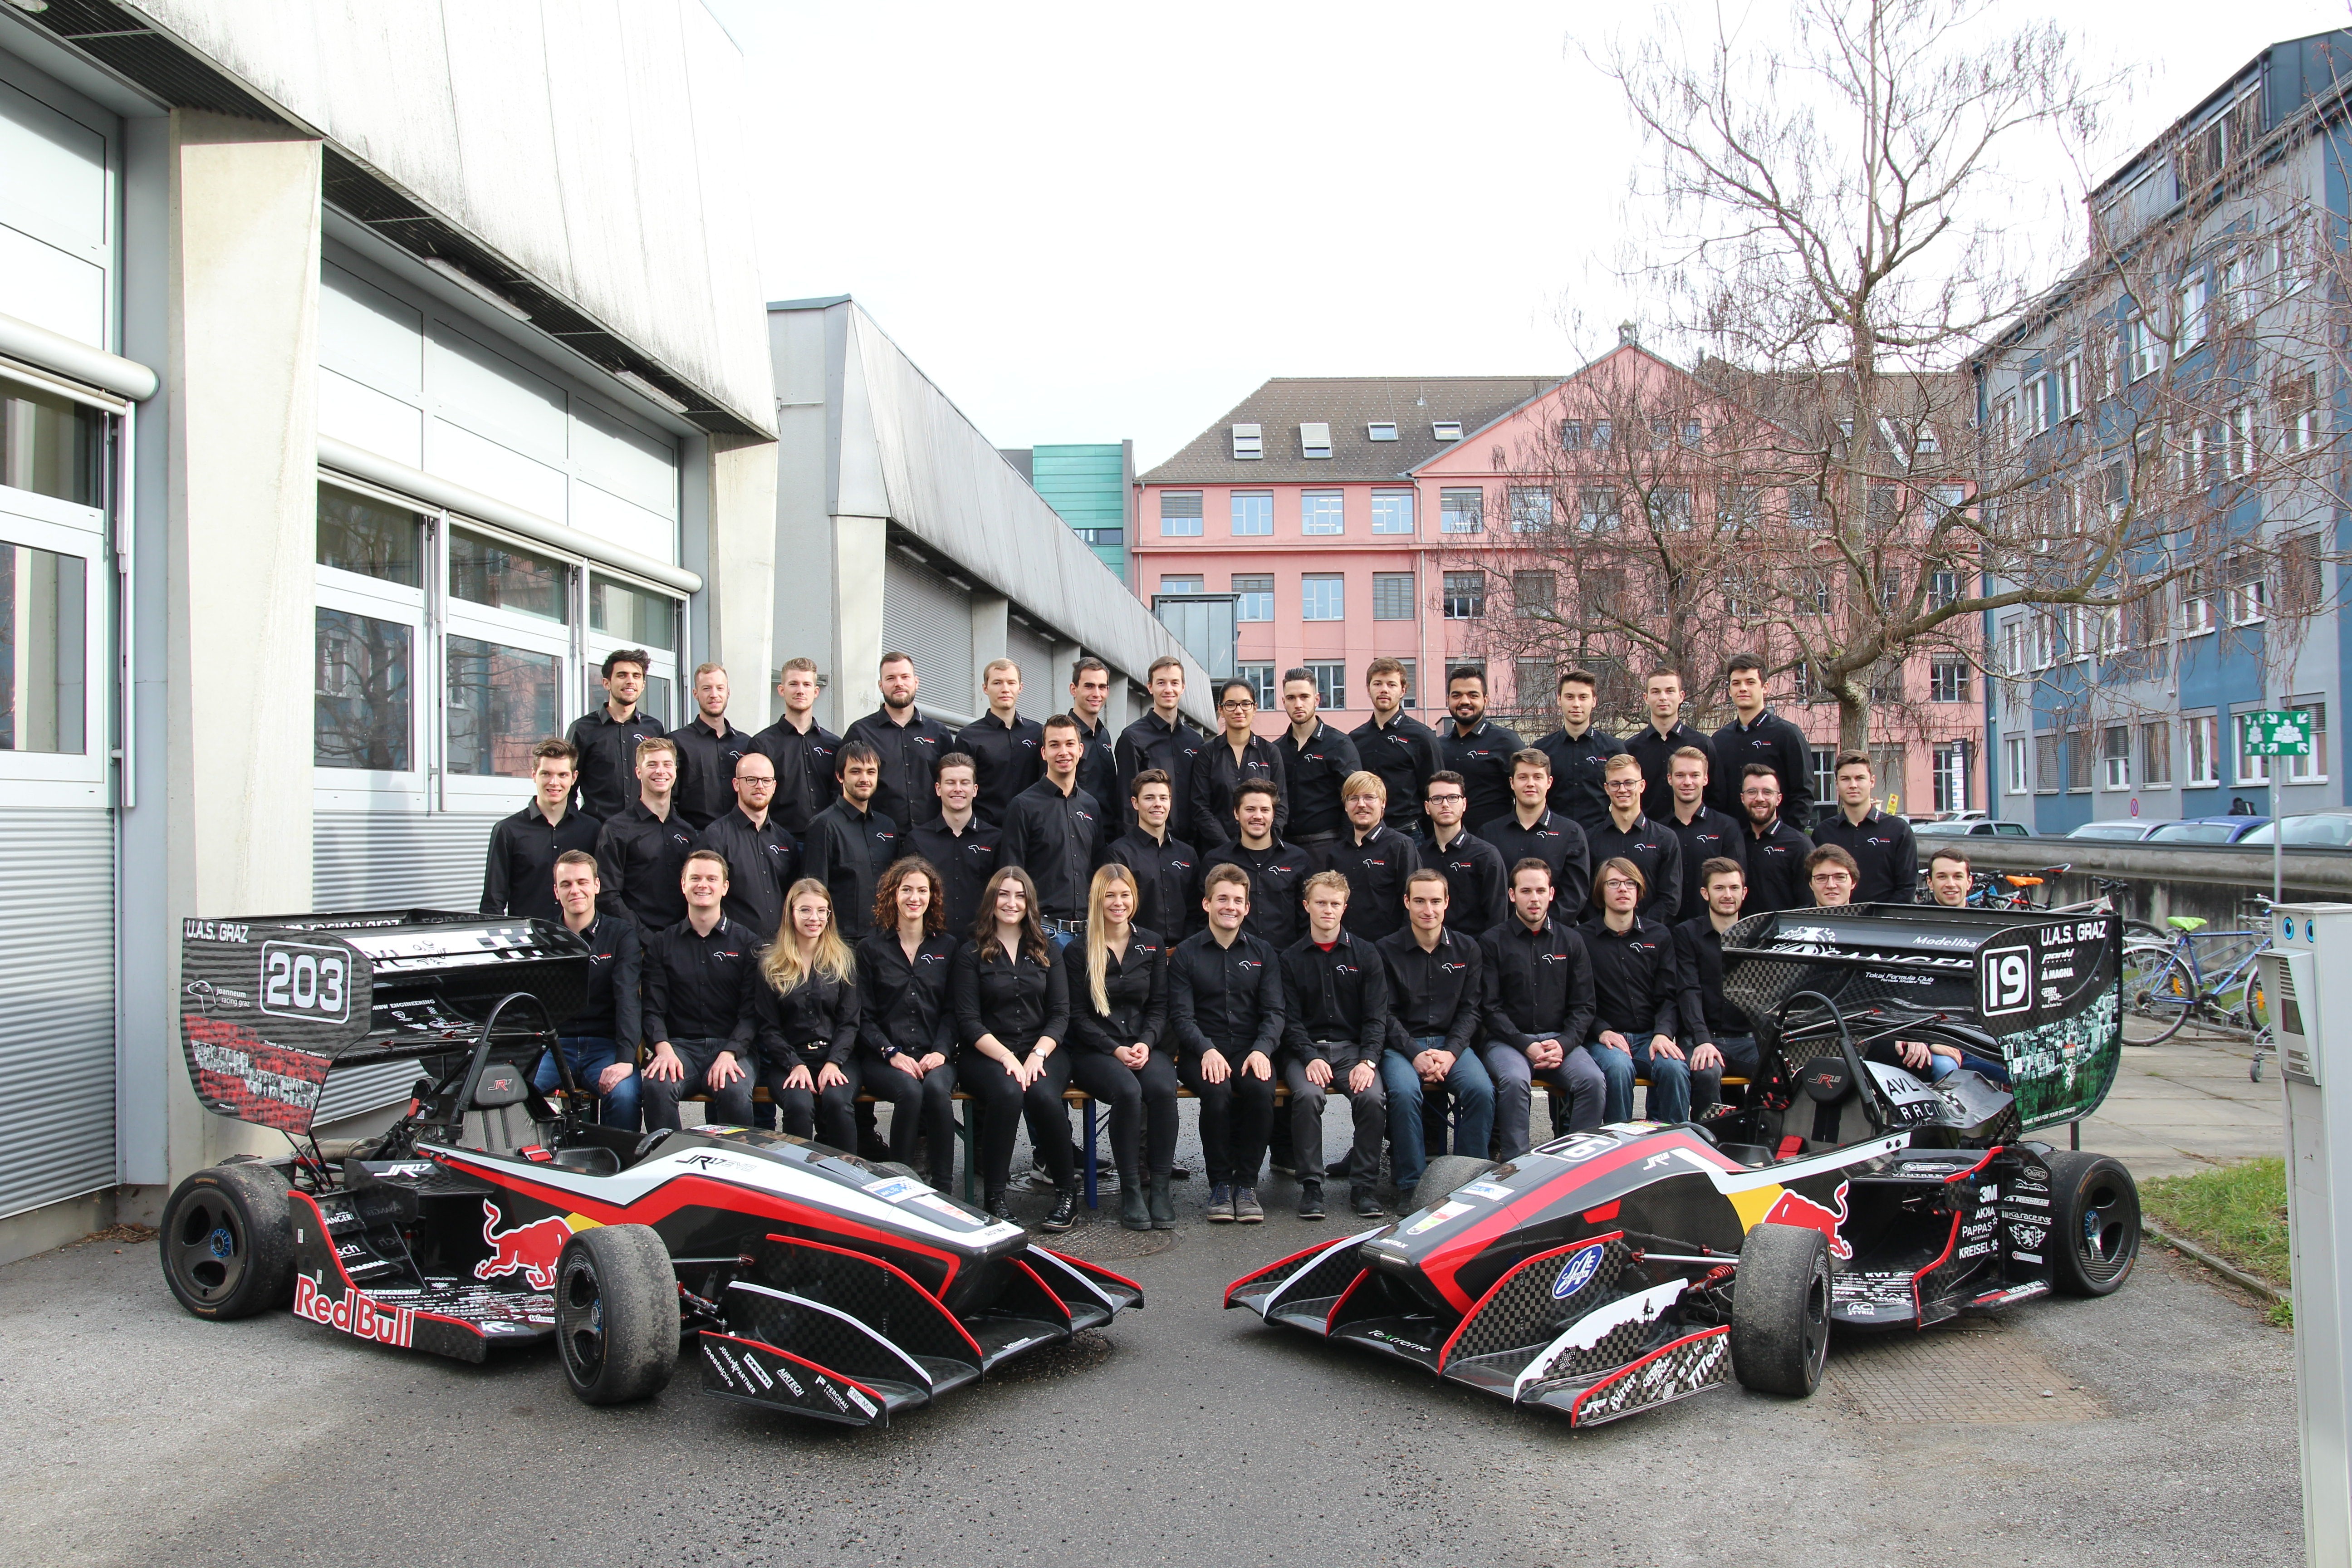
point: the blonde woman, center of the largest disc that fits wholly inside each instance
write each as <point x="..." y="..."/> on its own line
<point x="805" y="1020"/>
<point x="1012" y="1007"/>
<point x="1117" y="1020"/>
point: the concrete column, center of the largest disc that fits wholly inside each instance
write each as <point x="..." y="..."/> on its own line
<point x="242" y="329"/>
<point x="991" y="624"/>
<point x="740" y="584"/>
<point x="860" y="546"/>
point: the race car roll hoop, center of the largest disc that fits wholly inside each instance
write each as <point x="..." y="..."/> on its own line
<point x="804" y="1278"/>
<point x="1615" y="1271"/>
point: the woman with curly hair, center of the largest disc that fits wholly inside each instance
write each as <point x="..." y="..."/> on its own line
<point x="805" y="1020"/>
<point x="906" y="1032"/>
<point x="1012" y="1009"/>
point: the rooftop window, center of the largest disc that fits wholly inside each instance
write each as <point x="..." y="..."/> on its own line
<point x="1315" y="440"/>
<point x="1249" y="442"/>
<point x="1381" y="430"/>
<point x="1445" y="431"/>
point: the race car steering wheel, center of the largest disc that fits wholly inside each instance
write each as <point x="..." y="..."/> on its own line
<point x="649" y="1142"/>
<point x="1875" y="1095"/>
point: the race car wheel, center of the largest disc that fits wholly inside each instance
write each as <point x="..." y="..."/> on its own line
<point x="1446" y="1173"/>
<point x="616" y="1313"/>
<point x="2094" y="1221"/>
<point x="1781" y="1310"/>
<point x="228" y="1241"/>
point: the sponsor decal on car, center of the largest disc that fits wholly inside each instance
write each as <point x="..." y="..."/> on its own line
<point x="1437" y="1216"/>
<point x="862" y="1403"/>
<point x="242" y="1075"/>
<point x="355" y="1313"/>
<point x="531" y="1250"/>
<point x="1581" y="1266"/>
<point x="1494" y="1192"/>
<point x="893" y="1188"/>
<point x="1795" y="1208"/>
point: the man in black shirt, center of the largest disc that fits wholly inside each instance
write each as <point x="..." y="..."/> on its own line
<point x="1881" y="845"/>
<point x="910" y="744"/>
<point x="1316" y="760"/>
<point x="708" y="751"/>
<point x="698" y="975"/>
<point x="1721" y="1038"/>
<point x="1374" y="858"/>
<point x="1774" y="852"/>
<point x="605" y="737"/>
<point x="958" y="844"/>
<point x="1471" y="868"/>
<point x="1579" y="752"/>
<point x="1275" y="869"/>
<point x="1237" y="753"/>
<point x="802" y="749"/>
<point x="1635" y="984"/>
<point x="1702" y="832"/>
<point x="1538" y="1010"/>
<point x="762" y="858"/>
<point x="1531" y="829"/>
<point x="1224" y="1013"/>
<point x="1655" y="743"/>
<point x="1335" y="995"/>
<point x="1054" y="831"/>
<point x="1397" y="746"/>
<point x="1161" y="740"/>
<point x="641" y="852"/>
<point x="1099" y="768"/>
<point x="600" y="1041"/>
<point x="1005" y="748"/>
<point x="849" y="844"/>
<point x="1167" y="871"/>
<point x="1436" y="1000"/>
<point x="1476" y="747"/>
<point x="1757" y="734"/>
<point x="518" y="873"/>
<point x="1629" y="834"/>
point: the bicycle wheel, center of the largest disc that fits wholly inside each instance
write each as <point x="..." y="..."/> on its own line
<point x="2157" y="989"/>
<point x="2140" y="931"/>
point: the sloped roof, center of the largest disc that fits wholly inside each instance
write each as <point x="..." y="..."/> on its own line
<point x="1346" y="404"/>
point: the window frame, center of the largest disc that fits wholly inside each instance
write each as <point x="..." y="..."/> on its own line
<point x="2200" y="733"/>
<point x="1312" y="523"/>
<point x="1331" y="678"/>
<point x="34" y="520"/>
<point x="1412" y="596"/>
<point x="1233" y="499"/>
<point x="1198" y="518"/>
<point x="2017" y="773"/>
<point x="1244" y="597"/>
<point x="1471" y="596"/>
<point x="1450" y="502"/>
<point x="1412" y="512"/>
<point x="2155" y="743"/>
<point x="1311" y="582"/>
<point x="2312" y="769"/>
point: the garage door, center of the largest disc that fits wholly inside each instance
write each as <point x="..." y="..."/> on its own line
<point x="929" y="619"/>
<point x="56" y="1032"/>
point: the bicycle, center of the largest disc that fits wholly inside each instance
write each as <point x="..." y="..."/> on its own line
<point x="2166" y="980"/>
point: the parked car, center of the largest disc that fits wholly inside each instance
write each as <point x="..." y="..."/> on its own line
<point x="1968" y="827"/>
<point x="2330" y="828"/>
<point x="2206" y="830"/>
<point x="2125" y="829"/>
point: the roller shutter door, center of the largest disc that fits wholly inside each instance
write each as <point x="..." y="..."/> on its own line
<point x="929" y="619"/>
<point x="1041" y="683"/>
<point x="56" y="1031"/>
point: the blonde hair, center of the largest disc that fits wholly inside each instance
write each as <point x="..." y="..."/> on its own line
<point x="1363" y="782"/>
<point x="782" y="965"/>
<point x="1097" y="950"/>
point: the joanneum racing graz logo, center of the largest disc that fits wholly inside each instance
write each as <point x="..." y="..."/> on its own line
<point x="355" y="1314"/>
<point x="531" y="1250"/>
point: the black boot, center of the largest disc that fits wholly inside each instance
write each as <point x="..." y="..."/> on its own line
<point x="1065" y="1211"/>
<point x="1162" y="1203"/>
<point x="996" y="1205"/>
<point x="1134" y="1212"/>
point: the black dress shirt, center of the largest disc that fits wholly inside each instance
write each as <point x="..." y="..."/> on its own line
<point x="1555" y="840"/>
<point x="1098" y="765"/>
<point x="1167" y="881"/>
<point x="1539" y="983"/>
<point x="813" y="1023"/>
<point x="1477" y="887"/>
<point x="1152" y="743"/>
<point x="1276" y="916"/>
<point x="1882" y="845"/>
<point x="1578" y="764"/>
<point x="608" y="758"/>
<point x="1314" y="771"/>
<point x="1135" y="983"/>
<point x="1655" y="753"/>
<point x="1215" y="773"/>
<point x="1707" y="1015"/>
<point x="519" y="873"/>
<point x="847" y="850"/>
<point x="902" y="1004"/>
<point x="762" y="861"/>
<point x="1226" y="999"/>
<point x="1709" y="836"/>
<point x="1006" y="758"/>
<point x="698" y="988"/>
<point x="1018" y="1001"/>
<point x="1441" y="992"/>
<point x="966" y="862"/>
<point x="1776" y="868"/>
<point x="640" y="861"/>
<point x="1376" y="870"/>
<point x="1335" y="1001"/>
<point x="911" y="763"/>
<point x="805" y="780"/>
<point x="1482" y="757"/>
<point x="1781" y="746"/>
<point x="1635" y="979"/>
<point x="705" y="791"/>
<point x="1657" y="851"/>
<point x="1403" y="752"/>
<point x="1058" y="839"/>
<point x="614" y="1010"/>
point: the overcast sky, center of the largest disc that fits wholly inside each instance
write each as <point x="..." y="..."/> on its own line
<point x="1089" y="222"/>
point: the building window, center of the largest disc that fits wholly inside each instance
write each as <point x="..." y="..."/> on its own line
<point x="1446" y="429"/>
<point x="1534" y="684"/>
<point x="1596" y="509"/>
<point x="2252" y="769"/>
<point x="1802" y="688"/>
<point x="1257" y="597"/>
<point x="1315" y="440"/>
<point x="2312" y="769"/>
<point x="364" y="718"/>
<point x="2115" y="749"/>
<point x="1886" y="682"/>
<point x="1572" y="435"/>
<point x="1249" y="443"/>
<point x="1670" y="510"/>
<point x="2012" y="647"/>
<point x="2247" y="597"/>
<point x="2145" y="349"/>
<point x="2037" y="405"/>
<point x="1392" y="512"/>
<point x="2193" y="312"/>
<point x="1261" y="679"/>
<point x="1461" y="511"/>
<point x="1951" y="776"/>
<point x="2066" y="387"/>
<point x="2021" y="780"/>
<point x="2196" y="601"/>
<point x="1393" y="597"/>
<point x="1253" y="512"/>
<point x="1381" y="430"/>
<point x="1322" y="511"/>
<point x="2297" y="401"/>
<point x="2203" y="735"/>
<point x="503" y="700"/>
<point x="1180" y="514"/>
<point x="2049" y="763"/>
<point x="2078" y="760"/>
<point x="1331" y="684"/>
<point x="1533" y="594"/>
<point x="1948" y="680"/>
<point x="1182" y="585"/>
<point x="1824" y="765"/>
<point x="2156" y="754"/>
<point x="2300" y="568"/>
<point x="1466" y="596"/>
<point x="1943" y="589"/>
<point x="2238" y="441"/>
<point x="1531" y="507"/>
<point x="1322" y="598"/>
<point x="2045" y="638"/>
<point x="1412" y="682"/>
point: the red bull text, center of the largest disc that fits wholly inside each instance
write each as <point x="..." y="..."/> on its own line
<point x="355" y="1313"/>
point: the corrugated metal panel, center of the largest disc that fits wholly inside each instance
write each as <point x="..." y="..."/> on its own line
<point x="56" y="1031"/>
<point x="370" y="860"/>
<point x="929" y="619"/>
<point x="1041" y="687"/>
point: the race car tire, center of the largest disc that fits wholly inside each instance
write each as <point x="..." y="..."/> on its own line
<point x="1446" y="1173"/>
<point x="1781" y="1310"/>
<point x="227" y="1241"/>
<point x="616" y="1322"/>
<point x="2094" y="1219"/>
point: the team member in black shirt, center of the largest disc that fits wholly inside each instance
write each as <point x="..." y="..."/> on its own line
<point x="1774" y="853"/>
<point x="906" y="1024"/>
<point x="1436" y="998"/>
<point x="641" y="853"/>
<point x="1013" y="1010"/>
<point x="1224" y="1012"/>
<point x="697" y="979"/>
<point x="1470" y="867"/>
<point x="961" y="848"/>
<point x="605" y="737"/>
<point x="802" y="749"/>
<point x="518" y="873"/>
<point x="804" y="1021"/>
<point x="910" y="744"/>
<point x="1579" y="752"/>
<point x="849" y="844"/>
<point x="1476" y="747"/>
<point x="1275" y="869"/>
<point x="1397" y="746"/>
<point x="600" y="1041"/>
<point x="1335" y="1019"/>
<point x="762" y="858"/>
<point x="1099" y="768"/>
<point x="1636" y="983"/>
<point x="1757" y="734"/>
<point x="1161" y="740"/>
<point x="1701" y="832"/>
<point x="707" y="750"/>
<point x="1118" y="1019"/>
<point x="1654" y="745"/>
<point x="1007" y="751"/>
<point x="1538" y="1012"/>
<point x="1167" y="871"/>
<point x="1316" y="760"/>
<point x="1721" y="1037"/>
<point x="1881" y="845"/>
<point x="1633" y="836"/>
<point x="1239" y="753"/>
<point x="1374" y="856"/>
<point x="1531" y="829"/>
<point x="1056" y="831"/>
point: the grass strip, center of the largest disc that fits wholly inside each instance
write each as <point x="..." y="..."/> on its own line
<point x="2238" y="1213"/>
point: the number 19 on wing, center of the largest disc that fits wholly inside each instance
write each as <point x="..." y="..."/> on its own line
<point x="2007" y="977"/>
<point x="299" y="981"/>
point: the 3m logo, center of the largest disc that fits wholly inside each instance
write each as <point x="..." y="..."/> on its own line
<point x="2006" y="974"/>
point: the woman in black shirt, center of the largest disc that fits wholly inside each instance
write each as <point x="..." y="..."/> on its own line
<point x="1012" y="1008"/>
<point x="906" y="1026"/>
<point x="1117" y="1018"/>
<point x="805" y="1020"/>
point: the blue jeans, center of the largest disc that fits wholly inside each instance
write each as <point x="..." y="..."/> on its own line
<point x="1940" y="1067"/>
<point x="1670" y="1082"/>
<point x="1473" y="1109"/>
<point x="590" y="1055"/>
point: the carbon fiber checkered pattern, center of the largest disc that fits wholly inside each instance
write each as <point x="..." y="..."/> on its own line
<point x="1524" y="1314"/>
<point x="892" y="1307"/>
<point x="1326" y="1277"/>
<point x="1621" y="1344"/>
<point x="812" y="1336"/>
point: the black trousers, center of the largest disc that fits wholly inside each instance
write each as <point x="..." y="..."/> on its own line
<point x="919" y="1108"/>
<point x="1142" y="1102"/>
<point x="1235" y="1117"/>
<point x="1369" y="1108"/>
<point x="828" y="1115"/>
<point x="729" y="1107"/>
<point x="1001" y="1102"/>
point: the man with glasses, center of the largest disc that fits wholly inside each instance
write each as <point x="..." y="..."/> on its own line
<point x="762" y="858"/>
<point x="1239" y="753"/>
<point x="517" y="878"/>
<point x="1472" y="868"/>
<point x="1832" y="875"/>
<point x="1774" y="852"/>
<point x="1628" y="834"/>
<point x="605" y="737"/>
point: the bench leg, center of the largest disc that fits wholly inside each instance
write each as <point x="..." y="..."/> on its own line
<point x="970" y="1151"/>
<point x="1087" y="1111"/>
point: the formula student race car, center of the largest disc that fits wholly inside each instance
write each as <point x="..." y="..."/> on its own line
<point x="1613" y="1271"/>
<point x="807" y="1280"/>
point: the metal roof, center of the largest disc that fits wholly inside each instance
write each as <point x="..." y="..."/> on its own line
<point x="1347" y="404"/>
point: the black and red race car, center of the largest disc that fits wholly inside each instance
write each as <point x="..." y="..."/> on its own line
<point x="1613" y="1271"/>
<point x="805" y="1279"/>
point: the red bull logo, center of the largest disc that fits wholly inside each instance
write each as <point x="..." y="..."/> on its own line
<point x="1795" y="1208"/>
<point x="529" y="1250"/>
<point x="355" y="1313"/>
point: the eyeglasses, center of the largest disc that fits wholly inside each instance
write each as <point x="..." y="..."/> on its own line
<point x="1613" y="883"/>
<point x="1447" y="799"/>
<point x="1237" y="707"/>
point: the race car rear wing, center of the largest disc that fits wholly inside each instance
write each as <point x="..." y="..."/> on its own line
<point x="2047" y="988"/>
<point x="268" y="1006"/>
